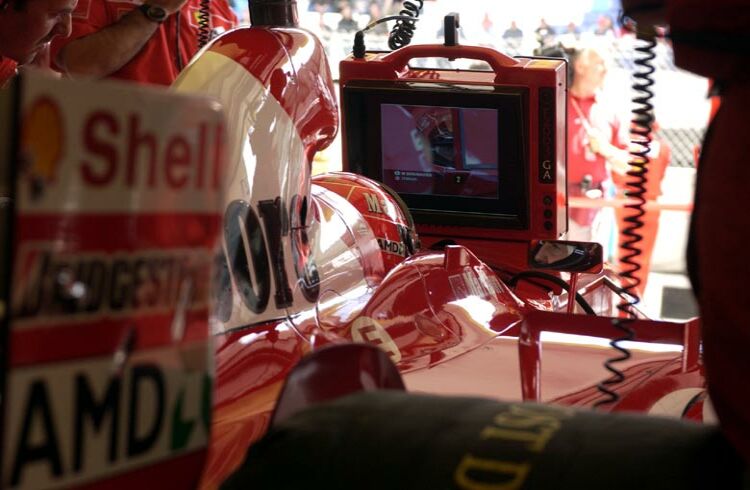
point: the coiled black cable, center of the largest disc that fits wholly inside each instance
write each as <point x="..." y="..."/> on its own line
<point x="585" y="306"/>
<point x="359" y="49"/>
<point x="403" y="31"/>
<point x="204" y="24"/>
<point x="640" y="132"/>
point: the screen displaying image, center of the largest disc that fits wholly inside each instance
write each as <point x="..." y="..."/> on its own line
<point x="449" y="151"/>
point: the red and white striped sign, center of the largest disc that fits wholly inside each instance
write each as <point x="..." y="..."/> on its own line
<point x="115" y="226"/>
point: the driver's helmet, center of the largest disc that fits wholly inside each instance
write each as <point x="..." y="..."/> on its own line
<point x="437" y="125"/>
<point x="383" y="210"/>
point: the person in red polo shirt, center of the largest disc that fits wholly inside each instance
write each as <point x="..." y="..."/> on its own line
<point x="27" y="27"/>
<point x="147" y="42"/>
<point x="597" y="135"/>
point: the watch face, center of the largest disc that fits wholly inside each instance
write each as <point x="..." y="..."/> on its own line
<point x="153" y="12"/>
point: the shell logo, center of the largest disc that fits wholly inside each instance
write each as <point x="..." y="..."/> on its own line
<point x="42" y="143"/>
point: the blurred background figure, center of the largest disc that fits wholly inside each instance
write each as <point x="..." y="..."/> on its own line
<point x="605" y="26"/>
<point x="571" y="35"/>
<point x="513" y="32"/>
<point x="545" y="34"/>
<point x="597" y="136"/>
<point x="375" y="12"/>
<point x="487" y="22"/>
<point x="487" y="35"/>
<point x="512" y="39"/>
<point x="347" y="22"/>
<point x="360" y="6"/>
<point x="322" y="7"/>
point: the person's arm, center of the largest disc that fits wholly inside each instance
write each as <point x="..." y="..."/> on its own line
<point x="104" y="52"/>
<point x="617" y="158"/>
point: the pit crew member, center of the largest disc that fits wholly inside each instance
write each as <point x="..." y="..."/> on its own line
<point x="144" y="42"/>
<point x="27" y="27"/>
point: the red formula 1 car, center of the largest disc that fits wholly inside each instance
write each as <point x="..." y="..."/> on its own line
<point x="336" y="258"/>
<point x="119" y="395"/>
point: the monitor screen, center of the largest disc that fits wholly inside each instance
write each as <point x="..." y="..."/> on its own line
<point x="441" y="151"/>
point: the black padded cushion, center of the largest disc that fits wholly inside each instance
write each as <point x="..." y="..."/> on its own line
<point x="395" y="440"/>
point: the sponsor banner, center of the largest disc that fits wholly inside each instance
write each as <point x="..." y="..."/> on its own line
<point x="116" y="224"/>
<point x="112" y="233"/>
<point x="122" y="149"/>
<point x="74" y="422"/>
<point x="63" y="341"/>
<point x="66" y="288"/>
<point x="96" y="281"/>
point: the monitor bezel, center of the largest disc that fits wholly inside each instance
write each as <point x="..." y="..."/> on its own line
<point x="362" y="102"/>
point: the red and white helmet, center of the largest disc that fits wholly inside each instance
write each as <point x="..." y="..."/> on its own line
<point x="383" y="210"/>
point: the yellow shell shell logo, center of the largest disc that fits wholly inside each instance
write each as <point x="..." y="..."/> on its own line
<point x="42" y="140"/>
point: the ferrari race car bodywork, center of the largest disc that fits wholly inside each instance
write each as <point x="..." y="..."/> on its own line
<point x="108" y="329"/>
<point x="334" y="258"/>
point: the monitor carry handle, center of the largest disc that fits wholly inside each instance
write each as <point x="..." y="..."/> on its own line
<point x="498" y="61"/>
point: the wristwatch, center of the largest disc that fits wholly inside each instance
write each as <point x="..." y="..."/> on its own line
<point x="153" y="13"/>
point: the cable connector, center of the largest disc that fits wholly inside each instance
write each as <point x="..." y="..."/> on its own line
<point x="359" y="49"/>
<point x="450" y="29"/>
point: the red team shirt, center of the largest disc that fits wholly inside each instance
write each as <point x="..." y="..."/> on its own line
<point x="7" y="70"/>
<point x="158" y="60"/>
<point x="581" y="160"/>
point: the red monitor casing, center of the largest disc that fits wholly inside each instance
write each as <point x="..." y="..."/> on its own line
<point x="543" y="84"/>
